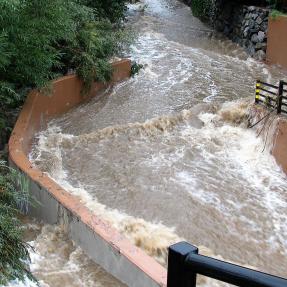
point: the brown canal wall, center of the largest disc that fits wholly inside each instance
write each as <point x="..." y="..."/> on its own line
<point x="277" y="41"/>
<point x="97" y="238"/>
<point x="280" y="144"/>
<point x="276" y="132"/>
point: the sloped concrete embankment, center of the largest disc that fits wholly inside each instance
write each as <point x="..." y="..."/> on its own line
<point x="274" y="131"/>
<point x="100" y="241"/>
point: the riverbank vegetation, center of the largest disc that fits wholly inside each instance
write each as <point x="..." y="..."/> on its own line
<point x="41" y="40"/>
<point x="14" y="254"/>
<point x="204" y="9"/>
<point x="279" y="5"/>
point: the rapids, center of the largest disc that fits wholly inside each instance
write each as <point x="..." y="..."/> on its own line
<point x="57" y="262"/>
<point x="167" y="155"/>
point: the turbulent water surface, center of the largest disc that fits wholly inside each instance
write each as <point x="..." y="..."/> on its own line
<point x="57" y="262"/>
<point x="167" y="156"/>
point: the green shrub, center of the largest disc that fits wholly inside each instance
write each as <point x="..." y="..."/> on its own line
<point x="135" y="69"/>
<point x="14" y="253"/>
<point x="275" y="14"/>
<point x="279" y="5"/>
<point x="114" y="10"/>
<point x="202" y="8"/>
<point x="42" y="39"/>
<point x="91" y="49"/>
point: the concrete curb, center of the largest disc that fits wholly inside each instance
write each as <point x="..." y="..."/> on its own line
<point x="97" y="238"/>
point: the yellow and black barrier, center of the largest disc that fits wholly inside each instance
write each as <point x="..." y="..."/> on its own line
<point x="271" y="96"/>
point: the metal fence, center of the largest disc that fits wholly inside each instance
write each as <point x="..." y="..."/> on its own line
<point x="274" y="97"/>
<point x="184" y="264"/>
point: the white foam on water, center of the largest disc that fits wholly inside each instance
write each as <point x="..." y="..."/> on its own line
<point x="223" y="136"/>
<point x="222" y="152"/>
<point x="58" y="262"/>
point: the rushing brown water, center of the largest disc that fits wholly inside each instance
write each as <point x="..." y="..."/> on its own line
<point x="57" y="262"/>
<point x="166" y="155"/>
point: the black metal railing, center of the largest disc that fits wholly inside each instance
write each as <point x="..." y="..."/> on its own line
<point x="274" y="97"/>
<point x="184" y="264"/>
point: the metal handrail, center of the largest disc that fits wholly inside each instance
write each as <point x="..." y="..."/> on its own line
<point x="269" y="96"/>
<point x="184" y="263"/>
<point x="267" y="85"/>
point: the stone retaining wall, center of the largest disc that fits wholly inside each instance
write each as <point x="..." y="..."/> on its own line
<point x="245" y="25"/>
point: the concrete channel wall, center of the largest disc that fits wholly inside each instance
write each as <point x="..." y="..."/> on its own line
<point x="98" y="239"/>
<point x="277" y="41"/>
<point x="278" y="134"/>
<point x="280" y="143"/>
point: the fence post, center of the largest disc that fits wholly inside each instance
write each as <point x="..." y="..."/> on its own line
<point x="280" y="96"/>
<point x="257" y="91"/>
<point x="178" y="275"/>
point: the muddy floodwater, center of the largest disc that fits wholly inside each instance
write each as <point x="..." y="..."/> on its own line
<point x="56" y="261"/>
<point x="166" y="155"/>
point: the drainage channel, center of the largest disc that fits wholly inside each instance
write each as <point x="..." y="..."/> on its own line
<point x="167" y="156"/>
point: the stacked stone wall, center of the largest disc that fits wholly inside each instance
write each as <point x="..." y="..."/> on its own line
<point x="244" y="24"/>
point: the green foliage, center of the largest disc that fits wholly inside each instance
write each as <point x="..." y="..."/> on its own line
<point x="95" y="43"/>
<point x="277" y="5"/>
<point x="202" y="8"/>
<point x="135" y="69"/>
<point x="31" y="29"/>
<point x="114" y="10"/>
<point x="275" y="14"/>
<point x="42" y="39"/>
<point x="14" y="254"/>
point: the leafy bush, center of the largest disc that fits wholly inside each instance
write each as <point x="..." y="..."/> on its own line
<point x="42" y="39"/>
<point x="135" y="69"/>
<point x="275" y="14"/>
<point x="89" y="52"/>
<point x="114" y="10"/>
<point x="279" y="5"/>
<point x="37" y="34"/>
<point x="14" y="253"/>
<point x="202" y="8"/>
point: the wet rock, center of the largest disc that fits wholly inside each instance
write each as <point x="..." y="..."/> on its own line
<point x="246" y="32"/>
<point x="248" y="16"/>
<point x="254" y="38"/>
<point x="260" y="46"/>
<point x="245" y="25"/>
<point x="260" y="55"/>
<point x="259" y="20"/>
<point x="264" y="25"/>
<point x="261" y="36"/>
<point x="254" y="16"/>
<point x="251" y="49"/>
<point x="227" y="30"/>
<point x="251" y="23"/>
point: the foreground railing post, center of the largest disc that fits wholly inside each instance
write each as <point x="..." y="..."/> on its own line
<point x="178" y="275"/>
<point x="280" y="97"/>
